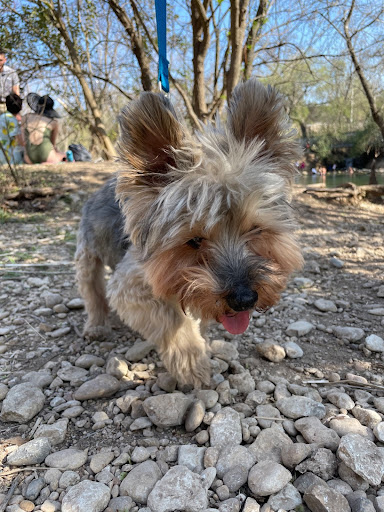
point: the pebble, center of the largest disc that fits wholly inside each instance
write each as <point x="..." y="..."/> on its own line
<point x="100" y="460"/>
<point x="195" y="415"/>
<point x="55" y="432"/>
<point x="374" y="343"/>
<point x="300" y="328"/>
<point x="363" y="457"/>
<point x="321" y="498"/>
<point x="70" y="458"/>
<point x="267" y="477"/>
<point x="76" y="303"/>
<point x="335" y="262"/>
<point x="101" y="386"/>
<point x="167" y="410"/>
<point x="314" y="431"/>
<point x="293" y="350"/>
<point x="138" y="351"/>
<point x="86" y="495"/>
<point x="140" y="481"/>
<point x="32" y="452"/>
<point x="22" y="403"/>
<point x="300" y="406"/>
<point x="224" y="350"/>
<point x="288" y="499"/>
<point x="325" y="305"/>
<point x="88" y="360"/>
<point x="179" y="489"/>
<point x="351" y="334"/>
<point x="225" y="428"/>
<point x="271" y="351"/>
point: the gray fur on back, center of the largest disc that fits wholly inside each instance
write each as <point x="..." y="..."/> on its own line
<point x="101" y="226"/>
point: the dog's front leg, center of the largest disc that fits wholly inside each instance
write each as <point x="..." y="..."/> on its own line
<point x="176" y="335"/>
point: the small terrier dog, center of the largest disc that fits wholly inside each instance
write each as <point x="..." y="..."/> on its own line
<point x="196" y="228"/>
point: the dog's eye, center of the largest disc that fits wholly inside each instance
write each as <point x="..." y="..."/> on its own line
<point x="195" y="242"/>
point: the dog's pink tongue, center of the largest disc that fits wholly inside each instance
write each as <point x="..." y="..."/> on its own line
<point x="237" y="323"/>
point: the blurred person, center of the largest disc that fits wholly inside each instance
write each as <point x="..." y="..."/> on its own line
<point x="11" y="137"/>
<point x="9" y="81"/>
<point x="41" y="129"/>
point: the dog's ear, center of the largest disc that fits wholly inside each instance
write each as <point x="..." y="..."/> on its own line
<point x="256" y="112"/>
<point x="150" y="130"/>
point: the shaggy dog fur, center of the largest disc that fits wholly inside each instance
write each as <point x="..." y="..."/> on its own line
<point x="197" y="228"/>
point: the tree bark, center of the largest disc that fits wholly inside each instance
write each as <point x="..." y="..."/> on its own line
<point x="239" y="10"/>
<point x="201" y="41"/>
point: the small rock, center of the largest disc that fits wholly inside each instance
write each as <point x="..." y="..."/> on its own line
<point x="117" y="367"/>
<point x="101" y="386"/>
<point x="75" y="304"/>
<point x="314" y="431"/>
<point x="363" y="457"/>
<point x="271" y="351"/>
<point x="32" y="452"/>
<point x="351" y="334"/>
<point x="179" y="489"/>
<point x="325" y="305"/>
<point x="226" y="428"/>
<point x="22" y="403"/>
<point x="323" y="498"/>
<point x="55" y="432"/>
<point x="288" y="499"/>
<point x="266" y="478"/>
<point x="138" y="351"/>
<point x="192" y="457"/>
<point x="300" y="328"/>
<point x="66" y="459"/>
<point x="300" y="406"/>
<point x="140" y="481"/>
<point x="374" y="343"/>
<point x="86" y="495"/>
<point x="195" y="415"/>
<point x="167" y="410"/>
<point x="335" y="262"/>
<point x="100" y="460"/>
<point x="293" y="350"/>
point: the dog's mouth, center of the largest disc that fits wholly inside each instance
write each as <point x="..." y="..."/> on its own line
<point x="235" y="323"/>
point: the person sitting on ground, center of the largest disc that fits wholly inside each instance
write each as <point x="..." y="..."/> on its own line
<point x="41" y="130"/>
<point x="11" y="138"/>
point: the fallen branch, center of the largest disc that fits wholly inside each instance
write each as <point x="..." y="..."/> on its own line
<point x="10" y="493"/>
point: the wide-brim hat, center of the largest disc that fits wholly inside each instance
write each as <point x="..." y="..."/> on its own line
<point x="42" y="105"/>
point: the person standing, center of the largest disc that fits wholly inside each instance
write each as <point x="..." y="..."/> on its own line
<point x="9" y="81"/>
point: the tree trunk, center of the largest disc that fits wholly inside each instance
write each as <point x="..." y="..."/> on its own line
<point x="201" y="41"/>
<point x="376" y="116"/>
<point x="238" y="25"/>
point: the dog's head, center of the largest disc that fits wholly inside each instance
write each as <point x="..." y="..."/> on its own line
<point x="209" y="214"/>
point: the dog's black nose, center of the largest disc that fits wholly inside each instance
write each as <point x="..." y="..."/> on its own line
<point x="241" y="298"/>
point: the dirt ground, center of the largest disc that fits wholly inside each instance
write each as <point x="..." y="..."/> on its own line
<point x="43" y="232"/>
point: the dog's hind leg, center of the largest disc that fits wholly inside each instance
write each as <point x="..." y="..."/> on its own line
<point x="91" y="284"/>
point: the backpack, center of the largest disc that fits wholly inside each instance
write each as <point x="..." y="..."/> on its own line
<point x="80" y="154"/>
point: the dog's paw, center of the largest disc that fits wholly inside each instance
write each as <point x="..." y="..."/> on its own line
<point x="97" y="332"/>
<point x="188" y="367"/>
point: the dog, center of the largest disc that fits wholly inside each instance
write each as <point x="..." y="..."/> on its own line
<point x="195" y="227"/>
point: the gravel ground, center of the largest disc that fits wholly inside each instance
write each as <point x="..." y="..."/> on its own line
<point x="292" y="421"/>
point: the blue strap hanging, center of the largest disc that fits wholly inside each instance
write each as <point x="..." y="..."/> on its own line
<point x="161" y="21"/>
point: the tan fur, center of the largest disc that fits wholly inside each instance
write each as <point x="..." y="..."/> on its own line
<point x="227" y="187"/>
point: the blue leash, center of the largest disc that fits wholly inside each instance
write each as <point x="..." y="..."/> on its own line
<point x="161" y="21"/>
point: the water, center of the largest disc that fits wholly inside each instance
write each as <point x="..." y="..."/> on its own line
<point x="334" y="179"/>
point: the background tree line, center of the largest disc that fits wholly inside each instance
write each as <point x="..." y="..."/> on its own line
<point x="94" y="56"/>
